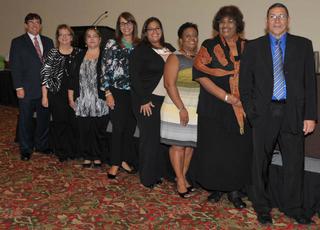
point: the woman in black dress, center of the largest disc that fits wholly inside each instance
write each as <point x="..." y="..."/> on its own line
<point x="146" y="70"/>
<point x="55" y="75"/>
<point x="224" y="145"/>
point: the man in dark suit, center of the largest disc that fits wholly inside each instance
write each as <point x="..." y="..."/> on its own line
<point x="278" y="92"/>
<point x="26" y="56"/>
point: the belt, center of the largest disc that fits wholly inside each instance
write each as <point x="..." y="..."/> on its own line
<point x="281" y="101"/>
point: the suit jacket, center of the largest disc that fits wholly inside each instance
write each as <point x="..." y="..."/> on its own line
<point x="25" y="64"/>
<point x="256" y="81"/>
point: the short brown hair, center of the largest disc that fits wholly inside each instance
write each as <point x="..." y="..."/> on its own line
<point x="31" y="16"/>
<point x="60" y="27"/>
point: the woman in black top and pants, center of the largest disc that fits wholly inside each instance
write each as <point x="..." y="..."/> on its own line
<point x="146" y="70"/>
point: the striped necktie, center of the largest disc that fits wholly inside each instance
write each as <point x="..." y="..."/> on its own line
<point x="37" y="46"/>
<point x="279" y="85"/>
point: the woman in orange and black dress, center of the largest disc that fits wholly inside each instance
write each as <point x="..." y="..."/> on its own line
<point x="224" y="137"/>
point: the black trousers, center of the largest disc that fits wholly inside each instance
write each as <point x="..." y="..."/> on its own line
<point x="123" y="127"/>
<point x="33" y="137"/>
<point x="63" y="128"/>
<point x="92" y="137"/>
<point x="151" y="162"/>
<point x="265" y="137"/>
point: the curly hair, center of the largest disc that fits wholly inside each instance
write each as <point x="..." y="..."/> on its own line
<point x="232" y="12"/>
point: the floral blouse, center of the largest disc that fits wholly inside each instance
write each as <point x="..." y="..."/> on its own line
<point x="116" y="66"/>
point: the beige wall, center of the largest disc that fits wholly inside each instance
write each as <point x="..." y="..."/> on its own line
<point x="172" y="13"/>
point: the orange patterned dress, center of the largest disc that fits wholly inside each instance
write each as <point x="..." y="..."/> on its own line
<point x="224" y="144"/>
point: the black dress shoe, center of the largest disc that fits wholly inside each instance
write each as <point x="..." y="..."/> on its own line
<point x="237" y="202"/>
<point x="215" y="196"/>
<point x="301" y="219"/>
<point x="264" y="218"/>
<point x="234" y="198"/>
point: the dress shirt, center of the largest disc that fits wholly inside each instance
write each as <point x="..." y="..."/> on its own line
<point x="273" y="42"/>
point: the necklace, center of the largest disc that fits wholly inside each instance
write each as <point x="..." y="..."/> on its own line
<point x="188" y="54"/>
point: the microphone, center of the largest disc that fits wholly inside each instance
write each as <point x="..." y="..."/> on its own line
<point x="104" y="14"/>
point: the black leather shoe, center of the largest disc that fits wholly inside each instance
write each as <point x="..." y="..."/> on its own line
<point x="215" y="196"/>
<point x="25" y="157"/>
<point x="301" y="219"/>
<point x="234" y="198"/>
<point x="264" y="218"/>
<point x="237" y="202"/>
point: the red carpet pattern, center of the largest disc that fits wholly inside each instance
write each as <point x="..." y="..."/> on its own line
<point x="46" y="194"/>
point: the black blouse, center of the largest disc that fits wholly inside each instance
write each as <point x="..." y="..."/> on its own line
<point x="146" y="69"/>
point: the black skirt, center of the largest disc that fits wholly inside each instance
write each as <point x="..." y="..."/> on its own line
<point x="223" y="157"/>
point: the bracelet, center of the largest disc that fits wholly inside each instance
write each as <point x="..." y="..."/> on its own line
<point x="182" y="108"/>
<point x="108" y="93"/>
<point x="226" y="97"/>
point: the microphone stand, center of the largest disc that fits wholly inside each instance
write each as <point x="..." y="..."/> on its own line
<point x="101" y="16"/>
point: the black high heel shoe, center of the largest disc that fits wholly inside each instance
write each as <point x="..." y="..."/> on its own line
<point x="191" y="189"/>
<point x="131" y="171"/>
<point x="87" y="164"/>
<point x="97" y="164"/>
<point x="111" y="176"/>
<point x="184" y="194"/>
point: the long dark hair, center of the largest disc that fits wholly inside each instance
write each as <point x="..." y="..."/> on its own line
<point x="144" y="36"/>
<point x="130" y="18"/>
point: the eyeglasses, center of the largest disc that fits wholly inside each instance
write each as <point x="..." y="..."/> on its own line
<point x="274" y="17"/>
<point x="150" y="30"/>
<point x="64" y="35"/>
<point x="128" y="23"/>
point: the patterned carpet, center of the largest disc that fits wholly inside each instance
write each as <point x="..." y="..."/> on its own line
<point x="46" y="194"/>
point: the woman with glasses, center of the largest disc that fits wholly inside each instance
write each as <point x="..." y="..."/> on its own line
<point x="55" y="75"/>
<point x="116" y="84"/>
<point x="224" y="147"/>
<point x="146" y="70"/>
<point x="88" y="101"/>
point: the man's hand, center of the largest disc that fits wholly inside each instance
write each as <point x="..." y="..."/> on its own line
<point x="308" y="126"/>
<point x="20" y="93"/>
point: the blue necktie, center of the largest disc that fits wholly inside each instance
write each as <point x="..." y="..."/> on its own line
<point x="279" y="85"/>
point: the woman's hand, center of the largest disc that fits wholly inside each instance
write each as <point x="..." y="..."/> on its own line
<point x="184" y="116"/>
<point x="146" y="109"/>
<point x="44" y="101"/>
<point x="72" y="104"/>
<point x="233" y="100"/>
<point x="110" y="101"/>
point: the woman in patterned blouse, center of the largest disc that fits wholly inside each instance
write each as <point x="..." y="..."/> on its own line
<point x="88" y="101"/>
<point x="116" y="84"/>
<point x="55" y="75"/>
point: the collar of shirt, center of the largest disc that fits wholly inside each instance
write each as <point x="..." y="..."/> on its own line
<point x="38" y="38"/>
<point x="273" y="41"/>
